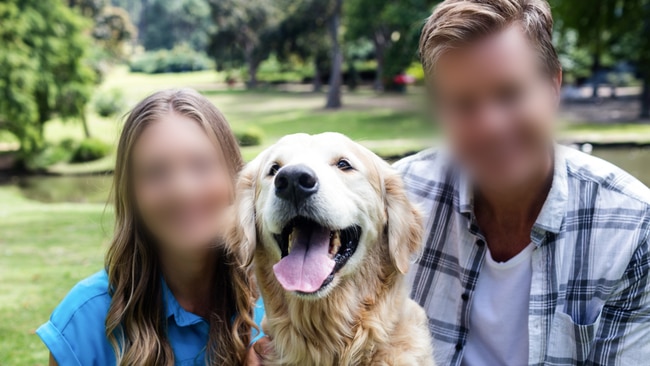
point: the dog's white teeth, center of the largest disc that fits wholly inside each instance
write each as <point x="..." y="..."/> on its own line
<point x="335" y="242"/>
<point x="290" y="243"/>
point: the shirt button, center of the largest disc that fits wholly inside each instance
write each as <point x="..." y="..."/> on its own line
<point x="465" y="297"/>
<point x="459" y="346"/>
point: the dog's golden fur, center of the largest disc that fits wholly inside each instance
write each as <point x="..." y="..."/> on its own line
<point x="367" y="318"/>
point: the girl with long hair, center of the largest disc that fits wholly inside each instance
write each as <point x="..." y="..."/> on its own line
<point x="170" y="294"/>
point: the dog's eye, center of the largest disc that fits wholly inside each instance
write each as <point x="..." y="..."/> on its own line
<point x="343" y="164"/>
<point x="274" y="169"/>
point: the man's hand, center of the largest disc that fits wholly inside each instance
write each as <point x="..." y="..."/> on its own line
<point x="258" y="352"/>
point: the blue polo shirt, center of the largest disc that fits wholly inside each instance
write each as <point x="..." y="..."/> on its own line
<point x="76" y="334"/>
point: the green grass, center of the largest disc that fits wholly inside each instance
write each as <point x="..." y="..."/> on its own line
<point x="608" y="133"/>
<point x="45" y="250"/>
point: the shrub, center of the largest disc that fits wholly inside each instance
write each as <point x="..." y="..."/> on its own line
<point x="181" y="58"/>
<point x="250" y="137"/>
<point x="90" y="149"/>
<point x="68" y="144"/>
<point x="417" y="72"/>
<point x="52" y="154"/>
<point x="109" y="103"/>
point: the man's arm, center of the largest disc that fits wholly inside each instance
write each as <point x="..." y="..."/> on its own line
<point x="623" y="336"/>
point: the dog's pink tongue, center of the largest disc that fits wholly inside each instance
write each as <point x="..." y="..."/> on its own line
<point x="308" y="263"/>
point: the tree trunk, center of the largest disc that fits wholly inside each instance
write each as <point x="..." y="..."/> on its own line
<point x="84" y="123"/>
<point x="252" y="64"/>
<point x="595" y="69"/>
<point x="380" y="49"/>
<point x="645" y="61"/>
<point x="334" y="92"/>
<point x="142" y="22"/>
<point x="252" y="75"/>
<point x="318" y="82"/>
<point x="645" y="97"/>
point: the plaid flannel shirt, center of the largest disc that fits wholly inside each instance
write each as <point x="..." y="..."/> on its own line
<point x="590" y="289"/>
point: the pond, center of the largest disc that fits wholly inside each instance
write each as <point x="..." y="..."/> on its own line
<point x="95" y="189"/>
<point x="75" y="189"/>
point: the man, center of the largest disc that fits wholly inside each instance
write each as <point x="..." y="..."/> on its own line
<point x="535" y="254"/>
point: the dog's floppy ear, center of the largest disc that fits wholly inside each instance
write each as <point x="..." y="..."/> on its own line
<point x="241" y="237"/>
<point x="404" y="229"/>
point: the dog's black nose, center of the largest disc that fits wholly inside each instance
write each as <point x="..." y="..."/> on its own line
<point x="295" y="183"/>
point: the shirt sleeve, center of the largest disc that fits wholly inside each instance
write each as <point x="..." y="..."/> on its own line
<point x="259" y="316"/>
<point x="623" y="335"/>
<point x="75" y="332"/>
<point x="58" y="345"/>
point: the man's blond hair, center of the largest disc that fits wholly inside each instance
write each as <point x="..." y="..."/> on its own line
<point x="457" y="22"/>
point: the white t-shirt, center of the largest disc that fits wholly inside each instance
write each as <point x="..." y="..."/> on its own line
<point x="498" y="333"/>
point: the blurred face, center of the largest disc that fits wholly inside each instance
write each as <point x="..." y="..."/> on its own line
<point x="181" y="184"/>
<point x="498" y="106"/>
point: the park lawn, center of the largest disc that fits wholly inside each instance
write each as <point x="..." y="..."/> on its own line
<point x="614" y="133"/>
<point x="45" y="250"/>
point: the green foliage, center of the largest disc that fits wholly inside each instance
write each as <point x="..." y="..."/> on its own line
<point x="302" y="33"/>
<point x="43" y="72"/>
<point x="52" y="154"/>
<point x="243" y="35"/>
<point x="88" y="8"/>
<point x="416" y="71"/>
<point x="133" y="7"/>
<point x="250" y="137"/>
<point x="180" y="59"/>
<point x="394" y="29"/>
<point x="576" y="61"/>
<point x="90" y="149"/>
<point x="610" y="32"/>
<point x="273" y="71"/>
<point x="595" y="24"/>
<point x="113" y="30"/>
<point x="109" y="103"/>
<point x="165" y="24"/>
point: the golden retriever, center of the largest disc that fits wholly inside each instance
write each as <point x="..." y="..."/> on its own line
<point x="331" y="233"/>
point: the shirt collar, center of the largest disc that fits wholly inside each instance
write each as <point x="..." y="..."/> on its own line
<point x="465" y="194"/>
<point x="552" y="215"/>
<point x="554" y="209"/>
<point x="182" y="317"/>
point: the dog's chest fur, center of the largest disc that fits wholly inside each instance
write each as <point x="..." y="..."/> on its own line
<point x="373" y="323"/>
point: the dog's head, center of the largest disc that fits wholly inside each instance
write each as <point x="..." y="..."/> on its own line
<point x="317" y="206"/>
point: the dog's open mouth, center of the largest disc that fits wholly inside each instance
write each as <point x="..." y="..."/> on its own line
<point x="312" y="254"/>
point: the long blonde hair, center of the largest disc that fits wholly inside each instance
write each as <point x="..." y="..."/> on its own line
<point x="135" y="324"/>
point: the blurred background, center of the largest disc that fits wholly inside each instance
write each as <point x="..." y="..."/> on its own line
<point x="70" y="69"/>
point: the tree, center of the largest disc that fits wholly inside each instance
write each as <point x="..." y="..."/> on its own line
<point x="113" y="30"/>
<point x="42" y="69"/>
<point x="88" y="8"/>
<point x="302" y="35"/>
<point x="244" y="30"/>
<point x="633" y="43"/>
<point x="164" y="24"/>
<point x="336" y="79"/>
<point x="133" y="7"/>
<point x="616" y="29"/>
<point x="375" y="27"/>
<point x="596" y="23"/>
<point x="393" y="28"/>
